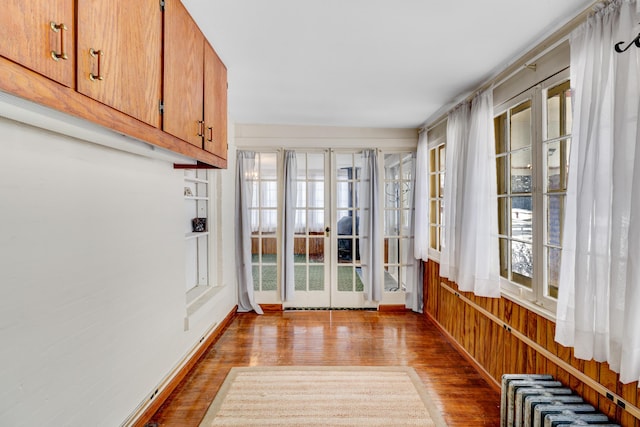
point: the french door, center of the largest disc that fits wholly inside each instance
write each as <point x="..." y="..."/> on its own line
<point x="327" y="265"/>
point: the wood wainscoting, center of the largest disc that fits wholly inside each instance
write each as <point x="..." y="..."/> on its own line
<point x="501" y="336"/>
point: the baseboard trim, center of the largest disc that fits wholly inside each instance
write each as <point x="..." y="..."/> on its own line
<point x="393" y="308"/>
<point x="270" y="308"/>
<point x="478" y="367"/>
<point x="144" y="413"/>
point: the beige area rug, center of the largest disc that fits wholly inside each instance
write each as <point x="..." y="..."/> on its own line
<point x="322" y="396"/>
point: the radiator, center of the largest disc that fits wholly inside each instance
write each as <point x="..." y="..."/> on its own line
<point x="540" y="401"/>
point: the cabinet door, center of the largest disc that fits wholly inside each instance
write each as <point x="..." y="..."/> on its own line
<point x="120" y="55"/>
<point x="215" y="103"/>
<point x="183" y="74"/>
<point x="39" y="35"/>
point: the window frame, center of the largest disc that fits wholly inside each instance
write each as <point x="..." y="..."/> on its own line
<point x="199" y="182"/>
<point x="439" y="146"/>
<point x="536" y="297"/>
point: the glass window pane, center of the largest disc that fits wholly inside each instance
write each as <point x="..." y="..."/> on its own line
<point x="269" y="278"/>
<point x="555" y="208"/>
<point x="268" y="222"/>
<point x="315" y="166"/>
<point x="316" y="250"/>
<point x="268" y="165"/>
<point x="254" y="218"/>
<point x="433" y="185"/>
<point x="255" y="249"/>
<point x="345" y="278"/>
<point x="256" y="277"/>
<point x="255" y="194"/>
<point x="553" y="166"/>
<point x="433" y="212"/>
<point x="316" y="221"/>
<point x="522" y="262"/>
<point x="433" y="160"/>
<point x="441" y="156"/>
<point x="391" y="251"/>
<point x="300" y="249"/>
<point x="553" y="271"/>
<point x="301" y="221"/>
<point x="500" y="128"/>
<point x="553" y="116"/>
<point x="502" y="175"/>
<point x="301" y="163"/>
<point x="268" y="194"/>
<point x="345" y="250"/>
<point x="344" y="197"/>
<point x="521" y="218"/>
<point x="301" y="194"/>
<point x="391" y="194"/>
<point x="345" y="222"/>
<point x="300" y="277"/>
<point x="316" y="278"/>
<point x="433" y="238"/>
<point x="391" y="166"/>
<point x="504" y="258"/>
<point x="503" y="216"/>
<point x="315" y="194"/>
<point x="391" y="226"/>
<point x="344" y="164"/>
<point x="521" y="171"/>
<point x="269" y="250"/>
<point x="521" y="126"/>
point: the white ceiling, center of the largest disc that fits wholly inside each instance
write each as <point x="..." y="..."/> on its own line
<point x="367" y="63"/>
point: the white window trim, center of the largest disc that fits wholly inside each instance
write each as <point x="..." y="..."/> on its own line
<point x="534" y="298"/>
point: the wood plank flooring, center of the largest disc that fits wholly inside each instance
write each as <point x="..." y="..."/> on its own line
<point x="338" y="338"/>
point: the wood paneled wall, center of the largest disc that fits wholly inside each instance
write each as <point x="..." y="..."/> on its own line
<point x="494" y="332"/>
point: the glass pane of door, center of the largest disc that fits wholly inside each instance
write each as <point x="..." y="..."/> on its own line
<point x="310" y="240"/>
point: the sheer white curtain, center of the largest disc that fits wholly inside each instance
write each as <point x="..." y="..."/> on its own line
<point x="479" y="258"/>
<point x="599" y="297"/>
<point x="414" y="270"/>
<point x="457" y="134"/>
<point x="287" y="285"/>
<point x="245" y="167"/>
<point x="371" y="252"/>
<point x="421" y="193"/>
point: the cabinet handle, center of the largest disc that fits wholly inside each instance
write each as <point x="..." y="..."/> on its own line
<point x="201" y="128"/>
<point x="210" y="139"/>
<point x="96" y="54"/>
<point x="59" y="28"/>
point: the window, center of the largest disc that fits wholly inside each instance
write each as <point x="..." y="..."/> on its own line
<point x="196" y="196"/>
<point x="398" y="214"/>
<point x="557" y="142"/>
<point x="532" y="147"/>
<point x="264" y="214"/>
<point x="436" y="194"/>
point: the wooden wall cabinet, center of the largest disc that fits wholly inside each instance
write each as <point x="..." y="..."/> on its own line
<point x="39" y="35"/>
<point x="120" y="55"/>
<point x="123" y="70"/>
<point x="195" y="84"/>
<point x="215" y="103"/>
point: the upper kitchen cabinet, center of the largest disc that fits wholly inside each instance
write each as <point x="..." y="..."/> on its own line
<point x="39" y="35"/>
<point x="120" y="55"/>
<point x="195" y="84"/>
<point x="183" y="75"/>
<point x="215" y="103"/>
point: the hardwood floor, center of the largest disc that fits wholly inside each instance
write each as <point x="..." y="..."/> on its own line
<point x="338" y="338"/>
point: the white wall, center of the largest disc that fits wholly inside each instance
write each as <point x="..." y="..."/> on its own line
<point x="92" y="301"/>
<point x="282" y="136"/>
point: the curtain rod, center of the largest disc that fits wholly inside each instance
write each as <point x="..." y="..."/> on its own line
<point x="524" y="61"/>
